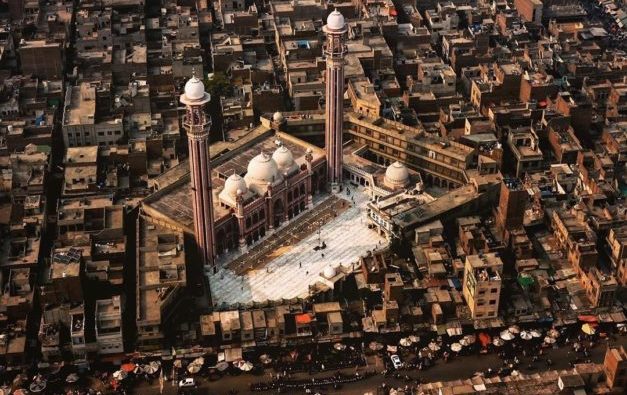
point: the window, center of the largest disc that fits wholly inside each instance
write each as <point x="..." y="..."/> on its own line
<point x="494" y="290"/>
<point x="482" y="292"/>
<point x="493" y="302"/>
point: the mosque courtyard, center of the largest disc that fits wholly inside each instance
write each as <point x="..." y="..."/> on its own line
<point x="297" y="266"/>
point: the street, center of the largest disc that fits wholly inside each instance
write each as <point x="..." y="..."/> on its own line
<point x="459" y="368"/>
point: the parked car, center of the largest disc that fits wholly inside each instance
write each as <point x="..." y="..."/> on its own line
<point x="396" y="361"/>
<point x="187" y="382"/>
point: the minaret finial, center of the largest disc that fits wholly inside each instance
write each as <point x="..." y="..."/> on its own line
<point x="194" y="72"/>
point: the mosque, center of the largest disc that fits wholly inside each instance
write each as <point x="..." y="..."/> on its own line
<point x="241" y="191"/>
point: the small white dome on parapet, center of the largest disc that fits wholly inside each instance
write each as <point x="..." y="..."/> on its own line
<point x="397" y="175"/>
<point x="329" y="272"/>
<point x="277" y="117"/>
<point x="335" y="20"/>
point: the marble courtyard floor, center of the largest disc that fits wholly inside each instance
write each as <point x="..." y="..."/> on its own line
<point x="285" y="268"/>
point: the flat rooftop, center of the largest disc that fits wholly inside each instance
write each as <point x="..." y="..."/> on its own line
<point x="161" y="267"/>
<point x="175" y="203"/>
<point x="80" y="107"/>
<point x="81" y="154"/>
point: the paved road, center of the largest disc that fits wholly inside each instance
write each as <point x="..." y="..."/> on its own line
<point x="458" y="368"/>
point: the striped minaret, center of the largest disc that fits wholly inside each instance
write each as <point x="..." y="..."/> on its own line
<point x="334" y="50"/>
<point x="197" y="124"/>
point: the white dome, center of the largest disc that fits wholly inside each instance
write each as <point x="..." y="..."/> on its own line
<point x="263" y="169"/>
<point x="194" y="89"/>
<point x="329" y="272"/>
<point x="335" y="20"/>
<point x="234" y="184"/>
<point x="397" y="174"/>
<point x="277" y="117"/>
<point x="284" y="159"/>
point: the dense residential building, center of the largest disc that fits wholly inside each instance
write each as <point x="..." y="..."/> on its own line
<point x="344" y="188"/>
<point x="482" y="284"/>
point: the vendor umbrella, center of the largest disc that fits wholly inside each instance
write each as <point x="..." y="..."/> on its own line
<point x="433" y="346"/>
<point x="150" y="368"/>
<point x="375" y="346"/>
<point x="392" y="348"/>
<point x="222" y="366"/>
<point x="245" y="366"/>
<point x="514" y="329"/>
<point x="549" y="340"/>
<point x="484" y="339"/>
<point x="193" y="368"/>
<point x="119" y="375"/>
<point x="265" y="359"/>
<point x="153" y="367"/>
<point x="37" y="386"/>
<point x="414" y="338"/>
<point x="177" y="363"/>
<point x="456" y="347"/>
<point x="525" y="335"/>
<point x="470" y="339"/>
<point x="199" y="361"/>
<point x="339" y="346"/>
<point x="138" y="370"/>
<point x="71" y="378"/>
<point x="507" y="335"/>
<point x="498" y="342"/>
<point x="536" y="333"/>
<point x="405" y="342"/>
<point x="588" y="329"/>
<point x="128" y="367"/>
<point x="554" y="333"/>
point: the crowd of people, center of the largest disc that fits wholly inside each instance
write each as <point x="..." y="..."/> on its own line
<point x="520" y="349"/>
<point x="335" y="381"/>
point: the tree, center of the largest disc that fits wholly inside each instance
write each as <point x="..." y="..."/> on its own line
<point x="218" y="85"/>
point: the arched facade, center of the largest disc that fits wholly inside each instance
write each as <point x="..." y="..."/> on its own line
<point x="273" y="191"/>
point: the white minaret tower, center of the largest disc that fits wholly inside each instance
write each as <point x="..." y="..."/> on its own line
<point x="334" y="50"/>
<point x="197" y="124"/>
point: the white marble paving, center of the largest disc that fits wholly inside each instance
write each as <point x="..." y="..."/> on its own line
<point x="347" y="238"/>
